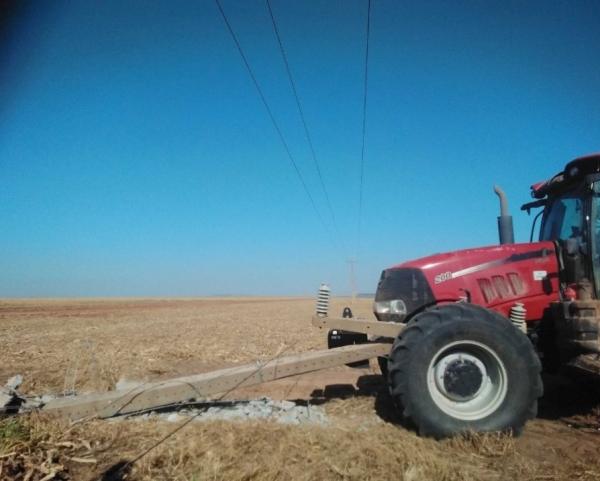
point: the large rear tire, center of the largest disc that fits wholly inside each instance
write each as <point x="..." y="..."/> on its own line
<point x="461" y="367"/>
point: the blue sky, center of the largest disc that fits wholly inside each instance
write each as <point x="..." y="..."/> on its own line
<point x="136" y="158"/>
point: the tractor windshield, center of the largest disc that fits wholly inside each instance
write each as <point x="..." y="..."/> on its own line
<point x="564" y="219"/>
<point x="595" y="228"/>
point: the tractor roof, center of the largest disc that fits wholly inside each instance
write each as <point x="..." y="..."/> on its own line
<point x="574" y="170"/>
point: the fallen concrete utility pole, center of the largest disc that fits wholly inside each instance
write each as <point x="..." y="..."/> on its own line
<point x="197" y="387"/>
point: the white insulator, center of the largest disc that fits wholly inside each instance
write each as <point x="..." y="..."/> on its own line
<point x="518" y="313"/>
<point x="323" y="300"/>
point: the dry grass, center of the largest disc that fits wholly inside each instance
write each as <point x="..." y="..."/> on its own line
<point x="36" y="449"/>
<point x="241" y="451"/>
<point x="91" y="343"/>
<point x="100" y="341"/>
<point x="226" y="451"/>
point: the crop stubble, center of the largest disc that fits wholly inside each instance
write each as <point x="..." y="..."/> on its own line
<point x="89" y="344"/>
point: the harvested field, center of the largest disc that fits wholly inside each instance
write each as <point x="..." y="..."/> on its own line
<point x="59" y="345"/>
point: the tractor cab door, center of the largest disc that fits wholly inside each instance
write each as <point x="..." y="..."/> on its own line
<point x="572" y="219"/>
<point x="595" y="235"/>
<point x="566" y="221"/>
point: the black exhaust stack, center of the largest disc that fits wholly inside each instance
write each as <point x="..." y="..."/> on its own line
<point x="505" y="223"/>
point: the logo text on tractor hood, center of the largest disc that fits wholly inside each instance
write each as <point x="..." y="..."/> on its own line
<point x="446" y="276"/>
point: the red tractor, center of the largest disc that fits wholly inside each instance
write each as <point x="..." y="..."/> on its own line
<point x="481" y="322"/>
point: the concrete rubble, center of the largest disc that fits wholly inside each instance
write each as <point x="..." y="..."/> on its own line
<point x="10" y="399"/>
<point x="285" y="412"/>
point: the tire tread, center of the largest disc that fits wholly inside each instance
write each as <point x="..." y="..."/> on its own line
<point x="399" y="361"/>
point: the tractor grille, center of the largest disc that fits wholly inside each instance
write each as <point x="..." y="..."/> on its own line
<point x="500" y="287"/>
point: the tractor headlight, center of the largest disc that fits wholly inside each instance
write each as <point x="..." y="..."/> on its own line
<point x="397" y="307"/>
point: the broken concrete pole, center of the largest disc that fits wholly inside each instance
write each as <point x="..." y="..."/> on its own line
<point x="10" y="400"/>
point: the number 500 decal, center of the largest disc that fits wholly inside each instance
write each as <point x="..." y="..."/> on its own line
<point x="443" y="277"/>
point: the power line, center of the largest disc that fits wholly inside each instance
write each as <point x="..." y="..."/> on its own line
<point x="303" y="119"/>
<point x="270" y="112"/>
<point x="123" y="467"/>
<point x="364" y="128"/>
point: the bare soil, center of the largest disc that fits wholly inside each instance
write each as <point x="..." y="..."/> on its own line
<point x="87" y="345"/>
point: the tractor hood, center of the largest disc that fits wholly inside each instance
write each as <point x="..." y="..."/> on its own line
<point x="494" y="276"/>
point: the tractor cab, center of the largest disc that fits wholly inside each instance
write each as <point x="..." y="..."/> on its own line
<point x="571" y="219"/>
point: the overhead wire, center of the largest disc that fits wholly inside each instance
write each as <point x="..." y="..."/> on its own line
<point x="271" y="115"/>
<point x="304" y="123"/>
<point x="124" y="466"/>
<point x="364" y="130"/>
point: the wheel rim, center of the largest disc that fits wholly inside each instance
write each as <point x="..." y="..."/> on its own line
<point x="467" y="380"/>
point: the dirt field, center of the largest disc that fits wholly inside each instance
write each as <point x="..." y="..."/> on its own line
<point x="58" y="345"/>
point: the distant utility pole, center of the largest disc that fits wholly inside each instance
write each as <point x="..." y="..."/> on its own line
<point x="351" y="263"/>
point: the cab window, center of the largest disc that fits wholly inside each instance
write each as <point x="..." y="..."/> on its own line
<point x="564" y="219"/>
